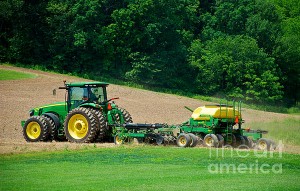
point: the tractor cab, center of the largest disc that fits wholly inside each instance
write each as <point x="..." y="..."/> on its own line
<point x="92" y="93"/>
<point x="87" y="93"/>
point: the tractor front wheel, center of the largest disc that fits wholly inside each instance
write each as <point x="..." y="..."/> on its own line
<point x="80" y="125"/>
<point x="35" y="129"/>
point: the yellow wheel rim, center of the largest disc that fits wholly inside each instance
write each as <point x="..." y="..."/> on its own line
<point x="182" y="140"/>
<point x="262" y="145"/>
<point x="118" y="140"/>
<point x="209" y="141"/>
<point x="78" y="126"/>
<point x="33" y="130"/>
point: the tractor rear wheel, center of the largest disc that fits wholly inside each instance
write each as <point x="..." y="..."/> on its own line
<point x="80" y="125"/>
<point x="194" y="140"/>
<point x="211" y="140"/>
<point x="101" y="124"/>
<point x="183" y="140"/>
<point x="36" y="129"/>
<point x="263" y="144"/>
<point x="126" y="115"/>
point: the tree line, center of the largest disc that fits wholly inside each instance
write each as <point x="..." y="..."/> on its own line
<point x="246" y="49"/>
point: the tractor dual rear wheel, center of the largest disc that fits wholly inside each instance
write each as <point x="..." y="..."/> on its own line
<point x="102" y="127"/>
<point x="80" y="126"/>
<point x="36" y="129"/>
<point x="126" y="115"/>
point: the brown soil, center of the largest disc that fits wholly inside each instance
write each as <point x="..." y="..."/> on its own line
<point x="19" y="96"/>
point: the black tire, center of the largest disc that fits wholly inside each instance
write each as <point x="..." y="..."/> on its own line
<point x="230" y="139"/>
<point x="159" y="139"/>
<point x="126" y="115"/>
<point x="211" y="140"/>
<point x="248" y="142"/>
<point x="221" y="140"/>
<point x="36" y="129"/>
<point x="194" y="140"/>
<point x="59" y="137"/>
<point x="240" y="140"/>
<point x="51" y="127"/>
<point x="183" y="140"/>
<point x="80" y="126"/>
<point x="263" y="144"/>
<point x="101" y="124"/>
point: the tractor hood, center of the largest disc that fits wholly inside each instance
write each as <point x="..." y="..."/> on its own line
<point x="57" y="108"/>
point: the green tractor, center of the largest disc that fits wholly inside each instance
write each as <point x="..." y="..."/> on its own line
<point x="86" y="115"/>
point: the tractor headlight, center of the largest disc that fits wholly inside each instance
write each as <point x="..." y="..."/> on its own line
<point x="31" y="113"/>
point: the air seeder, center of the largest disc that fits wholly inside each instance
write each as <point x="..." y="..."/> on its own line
<point x="87" y="115"/>
<point x="213" y="125"/>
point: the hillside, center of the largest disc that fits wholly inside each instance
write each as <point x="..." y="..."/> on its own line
<point x="19" y="96"/>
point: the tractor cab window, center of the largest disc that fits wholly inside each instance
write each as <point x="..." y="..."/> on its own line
<point x="97" y="94"/>
<point x="79" y="95"/>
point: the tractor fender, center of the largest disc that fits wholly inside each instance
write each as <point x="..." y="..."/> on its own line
<point x="54" y="118"/>
<point x="94" y="105"/>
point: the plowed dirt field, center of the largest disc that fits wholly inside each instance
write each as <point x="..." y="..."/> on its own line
<point x="19" y="96"/>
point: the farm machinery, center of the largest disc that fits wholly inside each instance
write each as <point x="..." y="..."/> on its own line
<point x="87" y="115"/>
<point x="212" y="125"/>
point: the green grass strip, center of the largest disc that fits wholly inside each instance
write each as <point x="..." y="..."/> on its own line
<point x="13" y="75"/>
<point x="150" y="168"/>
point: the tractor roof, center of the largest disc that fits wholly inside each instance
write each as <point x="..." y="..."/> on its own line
<point x="84" y="84"/>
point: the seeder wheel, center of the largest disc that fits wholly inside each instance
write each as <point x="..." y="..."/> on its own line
<point x="118" y="140"/>
<point x="264" y="144"/>
<point x="183" y="140"/>
<point x="211" y="140"/>
<point x="194" y="140"/>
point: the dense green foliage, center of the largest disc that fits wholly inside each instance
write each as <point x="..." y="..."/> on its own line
<point x="148" y="168"/>
<point x="247" y="49"/>
<point x="13" y="75"/>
